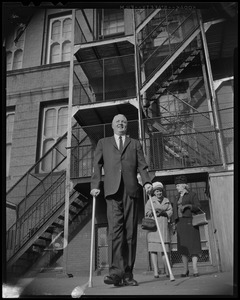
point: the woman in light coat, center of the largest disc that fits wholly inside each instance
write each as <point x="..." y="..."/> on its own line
<point x="164" y="212"/>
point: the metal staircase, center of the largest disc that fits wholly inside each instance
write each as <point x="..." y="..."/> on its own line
<point x="167" y="45"/>
<point x="41" y="215"/>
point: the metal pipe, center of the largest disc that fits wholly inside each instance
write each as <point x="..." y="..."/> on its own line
<point x="92" y="240"/>
<point x="213" y="94"/>
<point x="137" y="74"/>
<point x="68" y="160"/>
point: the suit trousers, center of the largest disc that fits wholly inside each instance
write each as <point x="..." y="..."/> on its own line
<point x="122" y="215"/>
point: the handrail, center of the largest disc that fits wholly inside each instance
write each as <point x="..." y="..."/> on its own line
<point x="54" y="147"/>
<point x="195" y="131"/>
<point x="33" y="166"/>
<point x="169" y="37"/>
<point x="154" y="29"/>
<point x="188" y="35"/>
<point x="174" y="73"/>
<point x="140" y="12"/>
<point x="26" y="223"/>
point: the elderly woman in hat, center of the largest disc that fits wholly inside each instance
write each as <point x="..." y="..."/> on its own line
<point x="188" y="237"/>
<point x="164" y="211"/>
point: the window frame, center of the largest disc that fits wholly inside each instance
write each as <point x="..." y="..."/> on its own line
<point x="55" y="137"/>
<point x="61" y="41"/>
<point x="102" y="22"/>
<point x="15" y="47"/>
<point x="9" y="142"/>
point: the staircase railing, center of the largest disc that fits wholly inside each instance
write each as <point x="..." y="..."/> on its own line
<point x="154" y="59"/>
<point x="195" y="143"/>
<point x="39" y="196"/>
<point x="35" y="216"/>
<point x="33" y="184"/>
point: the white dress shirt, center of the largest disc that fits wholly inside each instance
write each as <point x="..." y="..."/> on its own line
<point x="117" y="139"/>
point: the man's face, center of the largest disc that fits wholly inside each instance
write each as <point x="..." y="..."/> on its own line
<point x="119" y="125"/>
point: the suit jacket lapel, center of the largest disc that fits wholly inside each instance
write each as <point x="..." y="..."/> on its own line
<point x="127" y="142"/>
<point x="113" y="141"/>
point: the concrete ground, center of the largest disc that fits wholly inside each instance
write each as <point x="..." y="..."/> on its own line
<point x="207" y="284"/>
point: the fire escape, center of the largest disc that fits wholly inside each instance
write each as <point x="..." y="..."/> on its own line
<point x="143" y="75"/>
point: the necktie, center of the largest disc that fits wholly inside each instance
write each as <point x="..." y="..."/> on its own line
<point x="120" y="144"/>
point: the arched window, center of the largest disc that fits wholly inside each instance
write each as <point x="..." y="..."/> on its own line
<point x="17" y="60"/>
<point x="9" y="60"/>
<point x="14" y="48"/>
<point x="55" y="120"/>
<point x="55" y="53"/>
<point x="56" y="31"/>
<point x="67" y="29"/>
<point x="10" y="125"/>
<point x="59" y="39"/>
<point x="66" y="51"/>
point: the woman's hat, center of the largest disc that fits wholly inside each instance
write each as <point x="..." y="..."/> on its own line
<point x="157" y="186"/>
<point x="180" y="179"/>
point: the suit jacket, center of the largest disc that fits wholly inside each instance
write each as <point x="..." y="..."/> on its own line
<point x="119" y="165"/>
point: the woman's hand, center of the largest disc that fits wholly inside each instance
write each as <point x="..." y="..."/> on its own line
<point x="163" y="214"/>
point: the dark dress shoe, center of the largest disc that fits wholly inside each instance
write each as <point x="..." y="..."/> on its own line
<point x="156" y="276"/>
<point x="185" y="275"/>
<point x="113" y="279"/>
<point x="195" y="274"/>
<point x="130" y="282"/>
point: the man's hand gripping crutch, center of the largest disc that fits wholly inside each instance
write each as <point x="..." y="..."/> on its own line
<point x="162" y="242"/>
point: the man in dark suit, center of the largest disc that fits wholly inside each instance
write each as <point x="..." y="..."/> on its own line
<point x="121" y="164"/>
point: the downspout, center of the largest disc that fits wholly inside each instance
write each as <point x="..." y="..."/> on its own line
<point x="213" y="94"/>
<point x="137" y="74"/>
<point x="68" y="186"/>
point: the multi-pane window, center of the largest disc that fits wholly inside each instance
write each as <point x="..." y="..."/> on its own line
<point x="170" y="33"/>
<point x="9" y="133"/>
<point x="55" y="120"/>
<point x="113" y="21"/>
<point x="14" y="48"/>
<point x="59" y="43"/>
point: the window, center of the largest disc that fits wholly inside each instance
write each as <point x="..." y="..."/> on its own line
<point x="17" y="60"/>
<point x="9" y="133"/>
<point x="170" y="33"/>
<point x="14" y="48"/>
<point x="59" y="39"/>
<point x="112" y="22"/>
<point x="55" y="120"/>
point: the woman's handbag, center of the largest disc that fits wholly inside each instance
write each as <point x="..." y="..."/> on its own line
<point x="149" y="224"/>
<point x="199" y="219"/>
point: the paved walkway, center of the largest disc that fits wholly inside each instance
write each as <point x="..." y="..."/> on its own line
<point x="220" y="284"/>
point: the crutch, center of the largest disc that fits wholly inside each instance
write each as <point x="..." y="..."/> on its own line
<point x="162" y="242"/>
<point x="78" y="291"/>
<point x="92" y="240"/>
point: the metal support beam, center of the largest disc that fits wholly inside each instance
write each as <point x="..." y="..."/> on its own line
<point x="137" y="74"/>
<point x="68" y="160"/>
<point x="149" y="18"/>
<point x="213" y="94"/>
